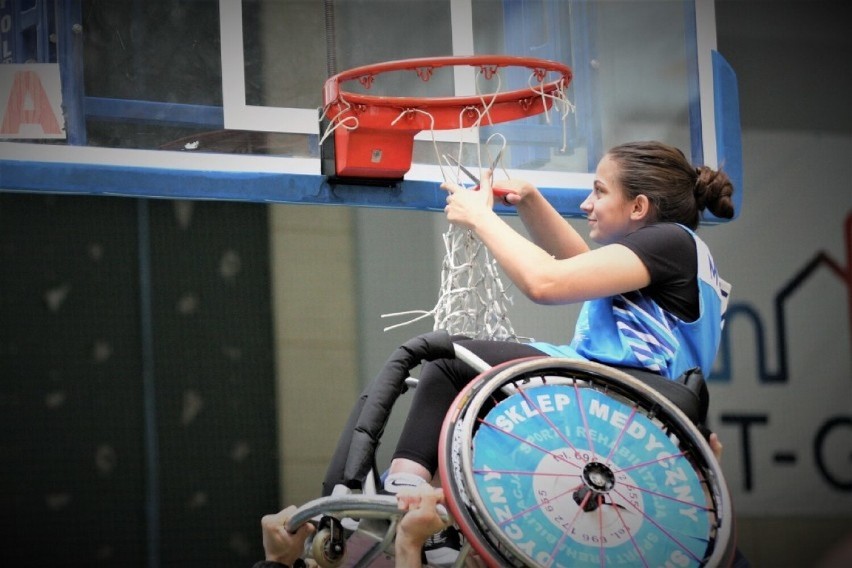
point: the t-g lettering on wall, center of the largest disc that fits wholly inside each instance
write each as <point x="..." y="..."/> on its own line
<point x="781" y="397"/>
<point x="31" y="101"/>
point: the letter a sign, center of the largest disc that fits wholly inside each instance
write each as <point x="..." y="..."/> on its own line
<point x="30" y="101"/>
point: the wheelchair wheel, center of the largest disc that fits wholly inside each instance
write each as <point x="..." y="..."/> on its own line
<point x="557" y="462"/>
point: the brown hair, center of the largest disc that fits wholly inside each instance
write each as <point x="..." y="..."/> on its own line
<point x="678" y="192"/>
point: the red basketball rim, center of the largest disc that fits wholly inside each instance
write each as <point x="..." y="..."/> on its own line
<point x="332" y="92"/>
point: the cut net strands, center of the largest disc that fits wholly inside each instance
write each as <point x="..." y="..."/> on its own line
<point x="473" y="300"/>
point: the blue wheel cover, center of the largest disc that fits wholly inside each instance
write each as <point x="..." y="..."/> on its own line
<point x="539" y="452"/>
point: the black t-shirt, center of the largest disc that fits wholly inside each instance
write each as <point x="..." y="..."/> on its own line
<point x="668" y="252"/>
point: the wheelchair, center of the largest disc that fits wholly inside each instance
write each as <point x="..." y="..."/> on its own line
<point x="543" y="462"/>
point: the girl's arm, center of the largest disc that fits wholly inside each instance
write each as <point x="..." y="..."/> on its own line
<point x="606" y="271"/>
<point x="546" y="227"/>
<point x="609" y="270"/>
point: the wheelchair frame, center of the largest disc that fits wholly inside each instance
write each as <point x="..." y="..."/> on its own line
<point x="350" y="484"/>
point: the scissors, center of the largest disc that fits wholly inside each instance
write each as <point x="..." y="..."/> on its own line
<point x="501" y="193"/>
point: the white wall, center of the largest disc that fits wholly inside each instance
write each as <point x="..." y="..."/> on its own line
<point x="796" y="204"/>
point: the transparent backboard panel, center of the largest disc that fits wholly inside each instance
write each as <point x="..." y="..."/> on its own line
<point x="631" y="61"/>
<point x="245" y="78"/>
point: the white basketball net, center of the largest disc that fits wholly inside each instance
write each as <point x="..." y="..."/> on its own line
<point x="473" y="300"/>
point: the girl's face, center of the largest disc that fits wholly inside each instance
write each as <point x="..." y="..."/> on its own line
<point x="607" y="209"/>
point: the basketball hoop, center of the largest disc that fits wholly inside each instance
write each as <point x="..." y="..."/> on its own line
<point x="373" y="136"/>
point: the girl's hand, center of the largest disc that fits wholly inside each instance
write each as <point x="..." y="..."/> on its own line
<point x="278" y="544"/>
<point x="513" y="191"/>
<point x="466" y="207"/>
<point x="716" y="446"/>
<point x="421" y="519"/>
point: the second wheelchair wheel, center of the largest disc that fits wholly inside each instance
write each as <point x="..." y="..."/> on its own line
<point x="556" y="462"/>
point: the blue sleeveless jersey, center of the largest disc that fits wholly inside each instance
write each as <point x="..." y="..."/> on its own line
<point x="632" y="330"/>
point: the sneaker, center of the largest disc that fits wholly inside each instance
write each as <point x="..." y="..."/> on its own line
<point x="396" y="482"/>
<point x="443" y="548"/>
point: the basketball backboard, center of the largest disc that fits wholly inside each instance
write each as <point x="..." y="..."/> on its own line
<point x="219" y="99"/>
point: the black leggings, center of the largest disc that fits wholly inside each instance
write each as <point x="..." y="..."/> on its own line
<point x="439" y="383"/>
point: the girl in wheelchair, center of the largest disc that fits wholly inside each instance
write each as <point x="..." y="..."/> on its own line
<point x="653" y="299"/>
<point x="653" y="307"/>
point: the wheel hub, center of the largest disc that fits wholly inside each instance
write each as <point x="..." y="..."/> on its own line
<point x="598" y="480"/>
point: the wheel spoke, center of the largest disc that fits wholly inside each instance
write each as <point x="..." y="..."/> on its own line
<point x="558" y="457"/>
<point x="522" y="472"/>
<point x="601" y="531"/>
<point x="583" y="416"/>
<point x="654" y="461"/>
<point x="669" y="497"/>
<point x="547" y="419"/>
<point x="635" y="544"/>
<point x="668" y="534"/>
<point x="621" y="435"/>
<point x="538" y="506"/>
